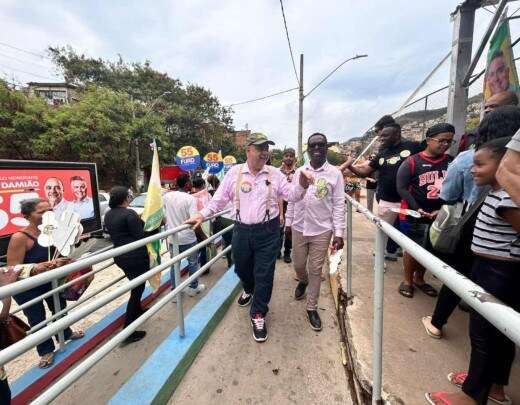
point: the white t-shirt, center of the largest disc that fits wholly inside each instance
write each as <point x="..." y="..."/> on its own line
<point x="178" y="207"/>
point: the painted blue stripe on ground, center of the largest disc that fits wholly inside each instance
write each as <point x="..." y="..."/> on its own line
<point x="35" y="373"/>
<point x="147" y="382"/>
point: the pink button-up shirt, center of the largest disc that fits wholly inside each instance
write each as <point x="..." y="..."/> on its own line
<point x="323" y="207"/>
<point x="253" y="193"/>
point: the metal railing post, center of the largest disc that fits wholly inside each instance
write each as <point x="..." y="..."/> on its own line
<point x="349" y="249"/>
<point x="377" y="339"/>
<point x="57" y="309"/>
<point x="174" y="251"/>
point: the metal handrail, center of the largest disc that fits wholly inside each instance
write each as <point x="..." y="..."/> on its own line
<point x="55" y="274"/>
<point x="503" y="317"/>
<point x="95" y="357"/>
<point x="34" y="339"/>
<point x="70" y="307"/>
<point x="60" y="288"/>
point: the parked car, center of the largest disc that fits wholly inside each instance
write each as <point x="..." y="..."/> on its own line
<point x="137" y="204"/>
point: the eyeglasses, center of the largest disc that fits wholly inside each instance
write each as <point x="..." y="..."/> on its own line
<point x="446" y="142"/>
<point x="317" y="145"/>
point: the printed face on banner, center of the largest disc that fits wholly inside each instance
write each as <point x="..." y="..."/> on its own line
<point x="501" y="72"/>
<point x="188" y="158"/>
<point x="64" y="189"/>
<point x="213" y="162"/>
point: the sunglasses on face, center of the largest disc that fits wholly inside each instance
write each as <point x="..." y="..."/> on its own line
<point x="317" y="145"/>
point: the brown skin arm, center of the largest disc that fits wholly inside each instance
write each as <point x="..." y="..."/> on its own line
<point x="6" y="278"/>
<point x="512" y="215"/>
<point x="16" y="254"/>
<point x="362" y="170"/>
<point x="508" y="174"/>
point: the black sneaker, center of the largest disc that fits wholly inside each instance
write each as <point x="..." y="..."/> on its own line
<point x="299" y="293"/>
<point x="314" y="320"/>
<point x="134" y="337"/>
<point x="259" y="328"/>
<point x="245" y="299"/>
<point x="287" y="258"/>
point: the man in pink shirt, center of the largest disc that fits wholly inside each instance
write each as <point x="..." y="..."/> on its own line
<point x="255" y="188"/>
<point x="314" y="220"/>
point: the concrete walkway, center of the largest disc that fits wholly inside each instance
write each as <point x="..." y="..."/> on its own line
<point x="413" y="363"/>
<point x="295" y="365"/>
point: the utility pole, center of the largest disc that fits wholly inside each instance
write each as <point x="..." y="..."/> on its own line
<point x="462" y="43"/>
<point x="302" y="96"/>
<point x="300" y="112"/>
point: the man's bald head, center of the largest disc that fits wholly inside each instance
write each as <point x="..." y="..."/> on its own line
<point x="499" y="100"/>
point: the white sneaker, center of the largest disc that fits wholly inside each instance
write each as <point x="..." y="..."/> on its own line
<point x="192" y="292"/>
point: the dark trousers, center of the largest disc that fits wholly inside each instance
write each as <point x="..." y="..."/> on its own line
<point x="5" y="392"/>
<point x="227" y="238"/>
<point x="492" y="353"/>
<point x="255" y="248"/>
<point x="461" y="261"/>
<point x="285" y="241"/>
<point x="36" y="313"/>
<point x="133" y="268"/>
<point x="391" y="246"/>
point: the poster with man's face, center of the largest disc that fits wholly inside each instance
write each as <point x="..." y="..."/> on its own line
<point x="501" y="72"/>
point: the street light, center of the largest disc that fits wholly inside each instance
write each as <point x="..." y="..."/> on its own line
<point x="137" y="162"/>
<point x="302" y="97"/>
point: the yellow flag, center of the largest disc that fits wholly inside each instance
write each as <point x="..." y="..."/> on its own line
<point x="153" y="215"/>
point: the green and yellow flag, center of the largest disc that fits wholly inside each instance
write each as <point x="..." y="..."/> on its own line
<point x="153" y="215"/>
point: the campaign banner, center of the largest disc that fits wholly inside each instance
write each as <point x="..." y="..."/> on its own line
<point x="188" y="158"/>
<point x="213" y="162"/>
<point x="501" y="72"/>
<point x="229" y="161"/>
<point x="65" y="189"/>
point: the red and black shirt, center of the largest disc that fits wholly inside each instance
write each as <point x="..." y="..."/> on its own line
<point x="419" y="181"/>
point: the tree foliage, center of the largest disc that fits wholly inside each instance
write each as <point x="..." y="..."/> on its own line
<point x="119" y="105"/>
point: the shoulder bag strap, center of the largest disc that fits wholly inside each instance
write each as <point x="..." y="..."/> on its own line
<point x="237" y="191"/>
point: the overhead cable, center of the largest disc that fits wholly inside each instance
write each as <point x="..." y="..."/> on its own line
<point x="289" y="43"/>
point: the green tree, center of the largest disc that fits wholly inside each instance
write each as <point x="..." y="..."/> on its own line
<point x="191" y="114"/>
<point x="22" y="121"/>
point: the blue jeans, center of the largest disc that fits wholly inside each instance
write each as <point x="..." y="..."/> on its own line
<point x="193" y="264"/>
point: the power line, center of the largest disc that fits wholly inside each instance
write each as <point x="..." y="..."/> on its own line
<point x="39" y="55"/>
<point x="263" y="98"/>
<point x="289" y="42"/>
<point x="27" y="73"/>
<point x="23" y="61"/>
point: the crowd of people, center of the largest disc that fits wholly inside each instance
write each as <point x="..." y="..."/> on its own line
<point x="297" y="213"/>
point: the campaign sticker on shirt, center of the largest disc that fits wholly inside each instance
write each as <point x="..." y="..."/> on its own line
<point x="188" y="158"/>
<point x="381" y="161"/>
<point x="246" y="187"/>
<point x="393" y="160"/>
<point x="405" y="153"/>
<point x="321" y="188"/>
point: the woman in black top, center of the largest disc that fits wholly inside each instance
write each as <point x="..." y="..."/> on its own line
<point x="124" y="226"/>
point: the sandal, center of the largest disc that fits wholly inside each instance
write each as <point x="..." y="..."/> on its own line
<point x="427" y="322"/>
<point x="46" y="360"/>
<point x="439" y="396"/>
<point x="458" y="379"/>
<point x="427" y="289"/>
<point x="406" y="290"/>
<point x="77" y="335"/>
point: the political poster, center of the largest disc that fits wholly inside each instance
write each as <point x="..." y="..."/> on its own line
<point x="501" y="72"/>
<point x="213" y="162"/>
<point x="229" y="162"/>
<point x="188" y="158"/>
<point x="66" y="186"/>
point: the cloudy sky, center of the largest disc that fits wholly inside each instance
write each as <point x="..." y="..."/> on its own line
<point x="238" y="49"/>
